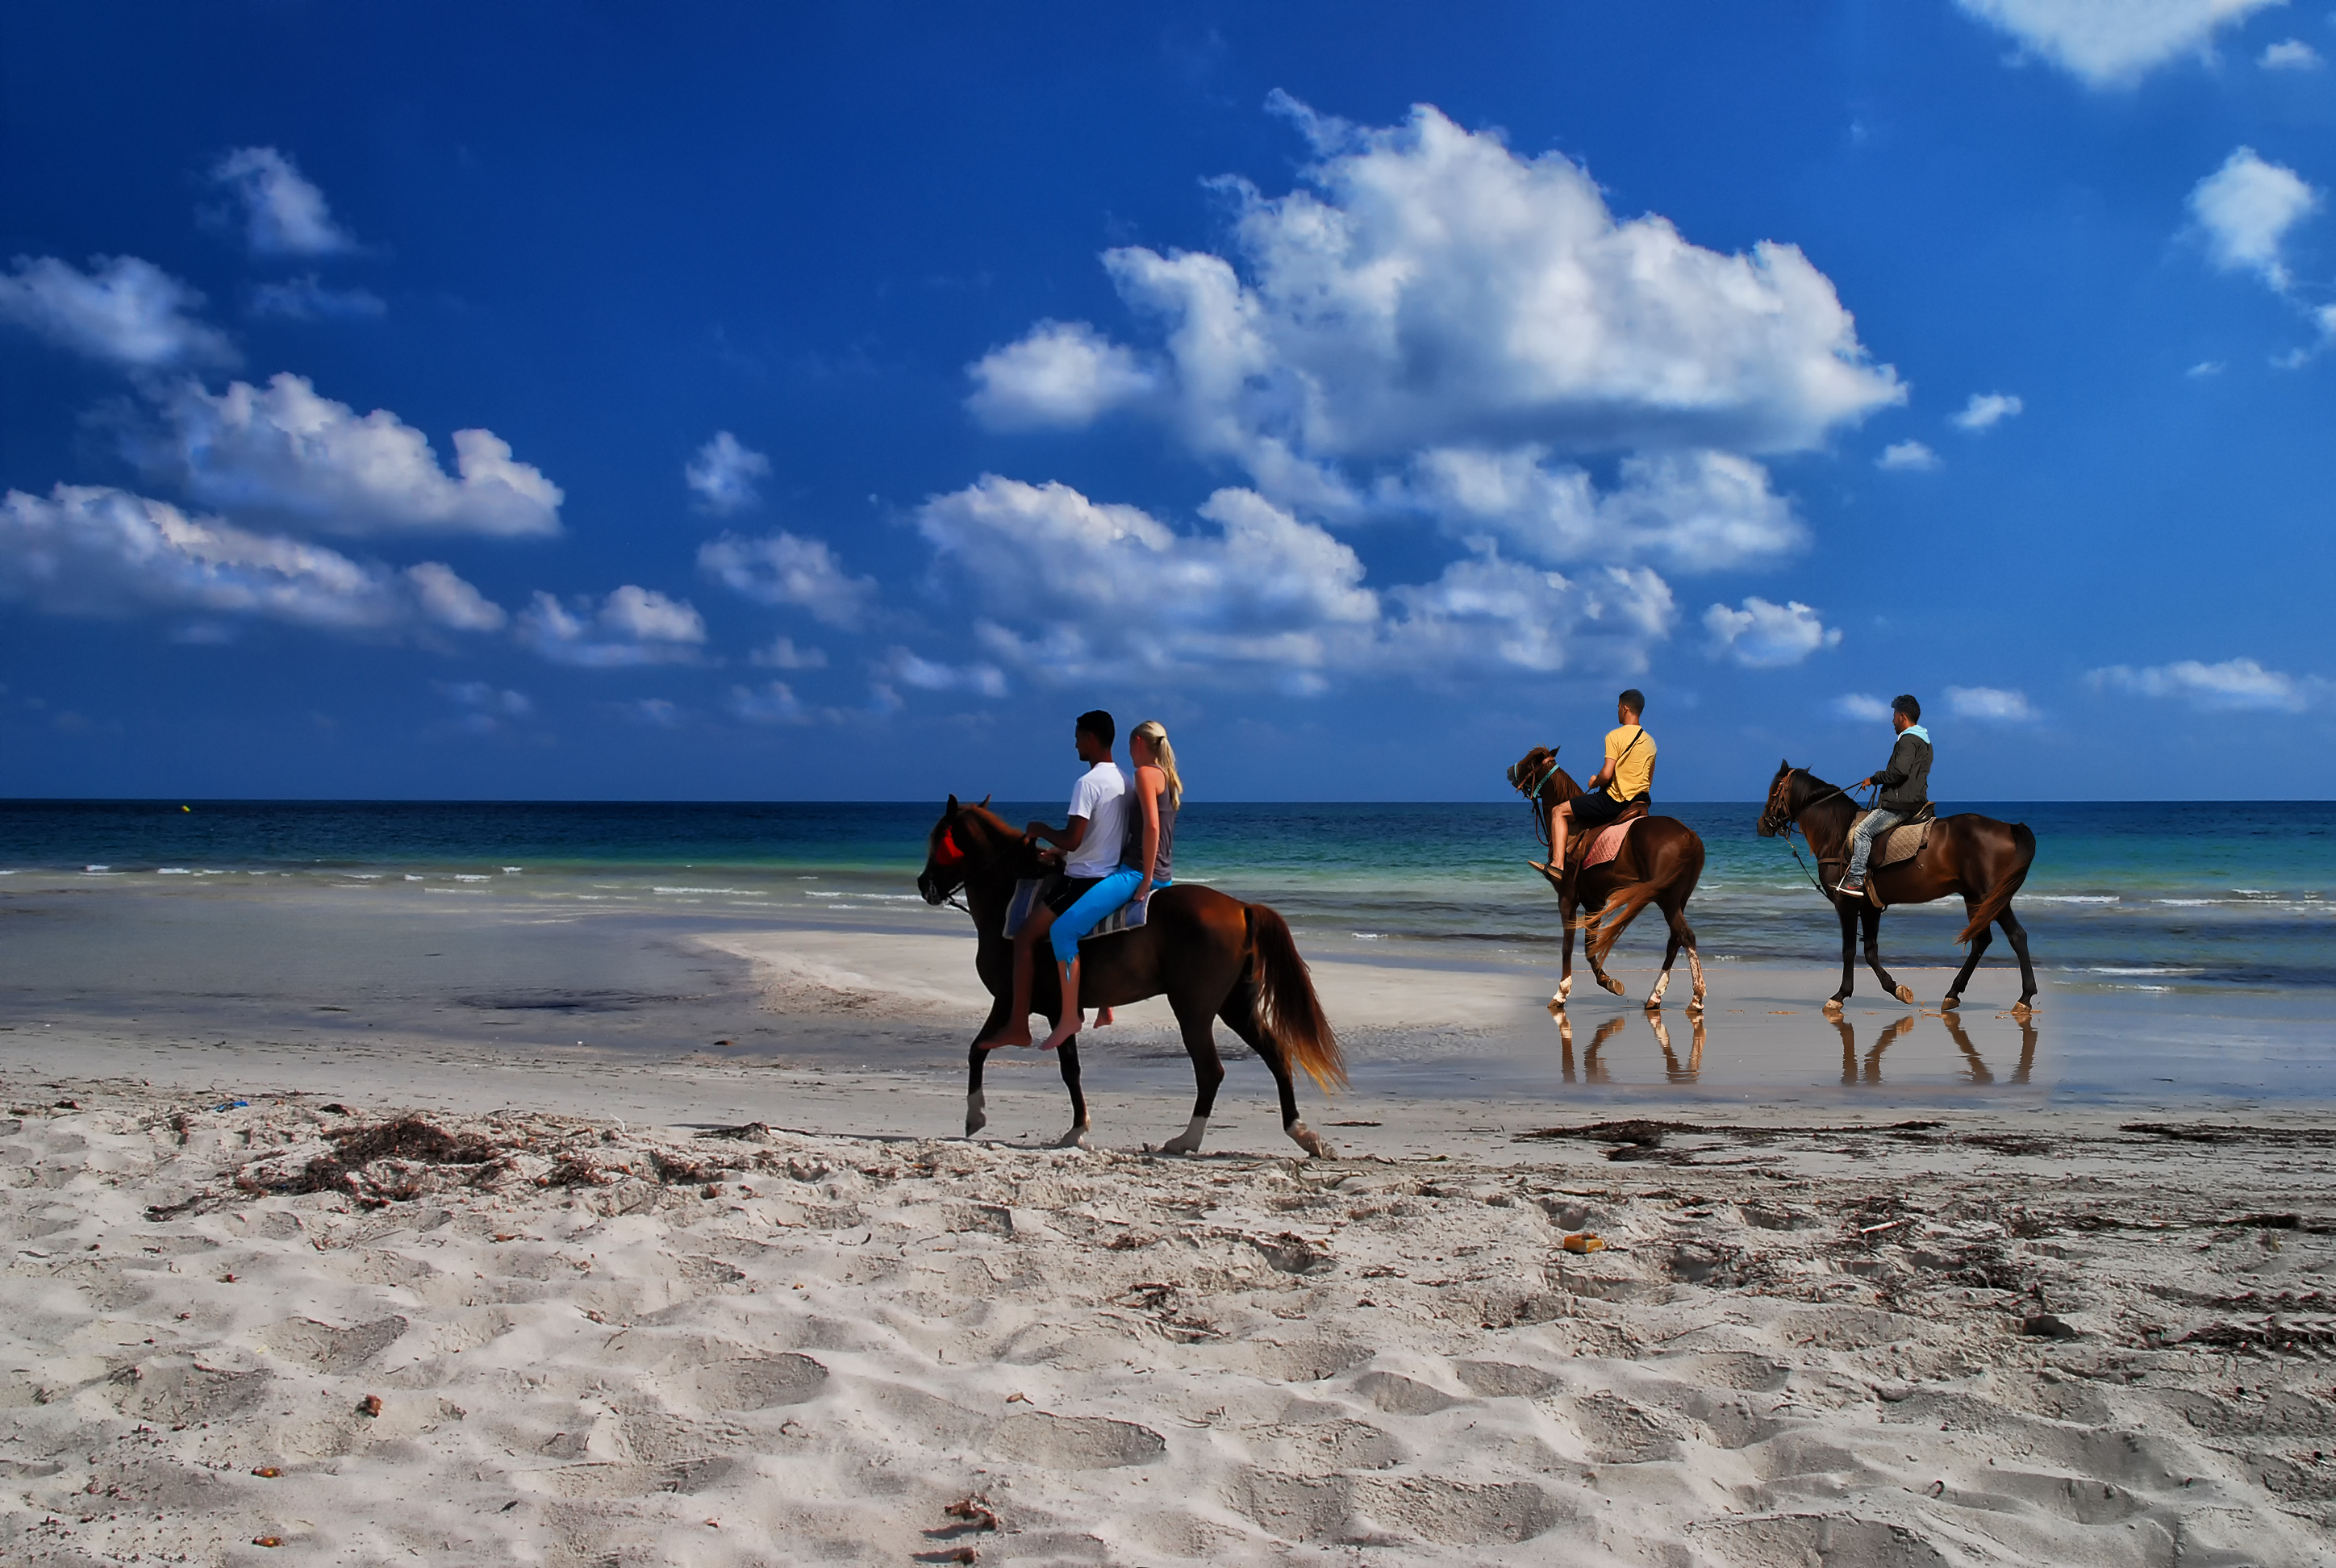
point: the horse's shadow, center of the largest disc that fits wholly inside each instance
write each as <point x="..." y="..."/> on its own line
<point x="1592" y="1068"/>
<point x="1975" y="1068"/>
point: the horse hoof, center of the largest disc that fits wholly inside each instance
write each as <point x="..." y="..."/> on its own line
<point x="1308" y="1139"/>
<point x="1188" y="1142"/>
<point x="1904" y="994"/>
<point x="1610" y="983"/>
<point x="1653" y="1003"/>
<point x="975" y="1118"/>
<point x="1076" y="1138"/>
<point x="1833" y="1005"/>
<point x="2022" y="1010"/>
<point x="1949" y="1004"/>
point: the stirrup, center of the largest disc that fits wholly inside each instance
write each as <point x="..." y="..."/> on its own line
<point x="1848" y="889"/>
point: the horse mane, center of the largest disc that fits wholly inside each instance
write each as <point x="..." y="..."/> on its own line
<point x="1833" y="814"/>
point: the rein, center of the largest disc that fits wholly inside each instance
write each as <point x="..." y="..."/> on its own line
<point x="1533" y="801"/>
<point x="1793" y="821"/>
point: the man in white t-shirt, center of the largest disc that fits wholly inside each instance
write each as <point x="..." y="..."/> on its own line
<point x="1090" y="841"/>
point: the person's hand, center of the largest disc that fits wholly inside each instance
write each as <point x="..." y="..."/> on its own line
<point x="1143" y="891"/>
<point x="1030" y="833"/>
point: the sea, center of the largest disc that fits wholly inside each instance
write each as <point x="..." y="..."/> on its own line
<point x="2139" y="896"/>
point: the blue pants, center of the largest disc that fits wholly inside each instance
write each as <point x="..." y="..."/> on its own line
<point x="1093" y="904"/>
<point x="1861" y="842"/>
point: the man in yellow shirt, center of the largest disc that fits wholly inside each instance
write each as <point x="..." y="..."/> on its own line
<point x="1629" y="774"/>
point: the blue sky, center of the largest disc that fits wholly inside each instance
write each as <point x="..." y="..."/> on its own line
<point x="717" y="401"/>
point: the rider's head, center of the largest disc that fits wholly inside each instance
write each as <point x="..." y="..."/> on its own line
<point x="1904" y="711"/>
<point x="1094" y="735"/>
<point x="1630" y="705"/>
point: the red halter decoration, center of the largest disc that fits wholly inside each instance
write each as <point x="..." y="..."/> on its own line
<point x="948" y="855"/>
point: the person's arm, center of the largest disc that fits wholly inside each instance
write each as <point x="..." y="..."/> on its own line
<point x="1070" y="835"/>
<point x="1892" y="776"/>
<point x="1149" y="783"/>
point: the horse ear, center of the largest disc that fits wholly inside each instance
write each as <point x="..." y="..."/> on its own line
<point x="953" y="805"/>
<point x="984" y="802"/>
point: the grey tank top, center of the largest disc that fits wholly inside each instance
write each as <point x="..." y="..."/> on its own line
<point x="1131" y="856"/>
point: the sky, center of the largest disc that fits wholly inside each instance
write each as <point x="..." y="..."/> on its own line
<point x="830" y="402"/>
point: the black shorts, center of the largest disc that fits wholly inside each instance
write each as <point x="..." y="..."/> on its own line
<point x="1596" y="809"/>
<point x="1061" y="892"/>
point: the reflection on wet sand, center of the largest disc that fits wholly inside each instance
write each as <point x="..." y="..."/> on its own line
<point x="1594" y="1071"/>
<point x="1592" y="1064"/>
<point x="1975" y="1067"/>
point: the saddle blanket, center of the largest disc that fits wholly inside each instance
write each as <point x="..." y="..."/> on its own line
<point x="1126" y="918"/>
<point x="1900" y="844"/>
<point x="1608" y="842"/>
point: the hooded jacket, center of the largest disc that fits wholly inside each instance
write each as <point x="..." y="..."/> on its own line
<point x="1906" y="782"/>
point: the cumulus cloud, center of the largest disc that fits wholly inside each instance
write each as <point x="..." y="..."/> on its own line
<point x="2245" y="209"/>
<point x="1991" y="704"/>
<point x="2112" y="43"/>
<point x="1061" y="376"/>
<point x="1986" y="410"/>
<point x="772" y="703"/>
<point x="94" y="550"/>
<point x="122" y="310"/>
<point x="485" y="710"/>
<point x="2236" y="684"/>
<point x="781" y="653"/>
<point x="283" y="214"/>
<point x="309" y="299"/>
<point x="906" y="668"/>
<point x="1764" y="636"/>
<point x="782" y="568"/>
<point x="1697" y="511"/>
<point x="1075" y="589"/>
<point x="633" y="626"/>
<point x="293" y="456"/>
<point x="722" y="473"/>
<point x="2289" y="54"/>
<point x="1863" y="708"/>
<point x="1907" y="457"/>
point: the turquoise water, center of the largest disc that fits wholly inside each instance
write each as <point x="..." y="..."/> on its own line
<point x="2125" y="895"/>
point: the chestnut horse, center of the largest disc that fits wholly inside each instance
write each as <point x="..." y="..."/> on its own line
<point x="1213" y="955"/>
<point x="1978" y="857"/>
<point x="1660" y="862"/>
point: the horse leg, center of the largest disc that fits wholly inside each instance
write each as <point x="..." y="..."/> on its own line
<point x="1208" y="1073"/>
<point x="1565" y="907"/>
<point x="1076" y="1138"/>
<point x="1848" y="913"/>
<point x="1682" y="936"/>
<point x="1240" y="1014"/>
<point x="1873" y="921"/>
<point x="1962" y="977"/>
<point x="2019" y="935"/>
<point x="977" y="1106"/>
<point x="1594" y="943"/>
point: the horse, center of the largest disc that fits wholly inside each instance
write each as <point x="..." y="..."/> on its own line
<point x="1978" y="857"/>
<point x="1212" y="955"/>
<point x="1660" y="862"/>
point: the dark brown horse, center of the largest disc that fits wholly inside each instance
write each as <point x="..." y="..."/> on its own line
<point x="1981" y="858"/>
<point x="1213" y="955"/>
<point x="1660" y="862"/>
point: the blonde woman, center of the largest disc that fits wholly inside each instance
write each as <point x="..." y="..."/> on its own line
<point x="1144" y="864"/>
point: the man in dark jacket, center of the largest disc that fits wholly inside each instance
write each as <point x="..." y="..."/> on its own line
<point x="1905" y="790"/>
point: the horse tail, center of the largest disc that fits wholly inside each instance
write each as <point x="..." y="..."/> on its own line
<point x="1287" y="1010"/>
<point x="1999" y="897"/>
<point x="1604" y="926"/>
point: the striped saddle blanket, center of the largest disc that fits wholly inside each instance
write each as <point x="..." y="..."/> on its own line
<point x="1903" y="842"/>
<point x="1125" y="918"/>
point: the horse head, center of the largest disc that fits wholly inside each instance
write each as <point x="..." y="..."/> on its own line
<point x="1777" y="814"/>
<point x="962" y="844"/>
<point x="1532" y="774"/>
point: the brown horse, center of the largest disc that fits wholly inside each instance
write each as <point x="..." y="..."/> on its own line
<point x="1660" y="865"/>
<point x="1978" y="857"/>
<point x="1213" y="955"/>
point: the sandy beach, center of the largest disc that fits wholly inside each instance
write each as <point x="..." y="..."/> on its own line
<point x="322" y="1297"/>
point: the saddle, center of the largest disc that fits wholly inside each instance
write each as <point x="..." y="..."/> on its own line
<point x="1903" y="842"/>
<point x="1601" y="844"/>
<point x="1128" y="917"/>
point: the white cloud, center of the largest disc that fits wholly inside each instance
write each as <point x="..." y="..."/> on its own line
<point x="1691" y="511"/>
<point x="1991" y="704"/>
<point x="1077" y="589"/>
<point x="783" y="654"/>
<point x="785" y="569"/>
<point x="1986" y="410"/>
<point x="448" y="601"/>
<point x="284" y="213"/>
<point x="724" y="473"/>
<point x="2245" y="209"/>
<point x="122" y="310"/>
<point x="902" y="666"/>
<point x="2206" y="368"/>
<point x="288" y="454"/>
<point x="1764" y="636"/>
<point x="93" y="550"/>
<point x="2237" y="685"/>
<point x="1061" y="374"/>
<point x="655" y="712"/>
<point x="2289" y="54"/>
<point x="1907" y="457"/>
<point x="485" y="709"/>
<point x="1864" y="709"/>
<point x="632" y="625"/>
<point x="2113" y="41"/>
<point x="309" y="299"/>
<point x="775" y="703"/>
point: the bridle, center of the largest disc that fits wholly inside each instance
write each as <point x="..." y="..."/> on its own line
<point x="1780" y="819"/>
<point x="1533" y="795"/>
<point x="946" y="857"/>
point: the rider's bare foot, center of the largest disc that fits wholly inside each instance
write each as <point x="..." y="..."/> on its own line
<point x="1009" y="1035"/>
<point x="1102" y="1016"/>
<point x="1064" y="1033"/>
